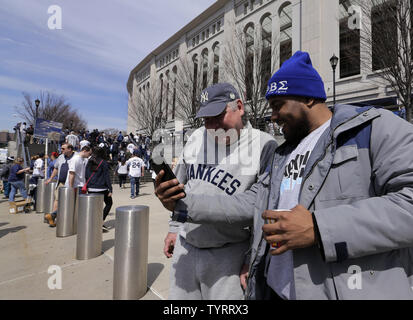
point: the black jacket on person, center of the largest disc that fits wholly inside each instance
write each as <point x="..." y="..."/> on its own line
<point x="101" y="178"/>
<point x="5" y="171"/>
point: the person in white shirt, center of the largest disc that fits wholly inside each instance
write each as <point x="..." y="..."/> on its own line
<point x="153" y="177"/>
<point x="38" y="167"/>
<point x="38" y="173"/>
<point x="23" y="131"/>
<point x="77" y="167"/>
<point x="136" y="170"/>
<point x="84" y="143"/>
<point x="73" y="140"/>
<point x="122" y="171"/>
<point x="61" y="171"/>
<point x="131" y="147"/>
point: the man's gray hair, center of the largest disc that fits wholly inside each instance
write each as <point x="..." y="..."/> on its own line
<point x="234" y="106"/>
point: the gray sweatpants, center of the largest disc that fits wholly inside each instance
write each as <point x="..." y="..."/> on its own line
<point x="206" y="274"/>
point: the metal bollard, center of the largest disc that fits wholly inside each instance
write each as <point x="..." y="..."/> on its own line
<point x="89" y="226"/>
<point x="76" y="213"/>
<point x="41" y="188"/>
<point x="130" y="275"/>
<point x="49" y="197"/>
<point x="66" y="212"/>
<point x="27" y="178"/>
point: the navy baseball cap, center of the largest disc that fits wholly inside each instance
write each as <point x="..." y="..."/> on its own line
<point x="215" y="99"/>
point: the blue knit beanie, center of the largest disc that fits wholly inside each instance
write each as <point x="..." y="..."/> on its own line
<point x="297" y="77"/>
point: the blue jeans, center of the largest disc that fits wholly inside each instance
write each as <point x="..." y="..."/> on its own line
<point x="17" y="185"/>
<point x="6" y="186"/>
<point x="134" y="181"/>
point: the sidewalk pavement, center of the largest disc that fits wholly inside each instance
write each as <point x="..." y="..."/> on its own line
<point x="28" y="247"/>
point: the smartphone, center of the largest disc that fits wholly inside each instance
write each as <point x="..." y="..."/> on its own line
<point x="159" y="165"/>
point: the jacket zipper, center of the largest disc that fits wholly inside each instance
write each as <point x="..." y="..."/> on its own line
<point x="315" y="164"/>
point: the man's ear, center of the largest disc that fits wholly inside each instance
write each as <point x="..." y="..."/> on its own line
<point x="310" y="103"/>
<point x="241" y="107"/>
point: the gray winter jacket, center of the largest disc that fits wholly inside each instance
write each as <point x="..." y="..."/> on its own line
<point x="359" y="185"/>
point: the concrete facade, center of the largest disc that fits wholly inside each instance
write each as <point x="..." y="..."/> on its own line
<point x="314" y="28"/>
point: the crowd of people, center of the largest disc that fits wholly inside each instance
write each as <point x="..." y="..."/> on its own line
<point x="116" y="147"/>
<point x="84" y="159"/>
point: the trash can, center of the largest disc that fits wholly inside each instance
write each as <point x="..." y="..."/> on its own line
<point x="130" y="275"/>
<point x="40" y="198"/>
<point x="49" y="197"/>
<point x="89" y="226"/>
<point x="66" y="212"/>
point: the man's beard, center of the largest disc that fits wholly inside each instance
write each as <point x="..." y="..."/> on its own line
<point x="297" y="129"/>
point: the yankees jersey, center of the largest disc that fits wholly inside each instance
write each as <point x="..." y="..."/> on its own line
<point x="206" y="167"/>
<point x="135" y="166"/>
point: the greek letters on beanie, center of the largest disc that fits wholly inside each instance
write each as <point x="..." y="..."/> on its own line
<point x="297" y="77"/>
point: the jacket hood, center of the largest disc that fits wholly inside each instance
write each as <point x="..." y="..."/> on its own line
<point x="345" y="112"/>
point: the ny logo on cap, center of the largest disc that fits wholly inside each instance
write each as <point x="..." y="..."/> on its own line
<point x="204" y="97"/>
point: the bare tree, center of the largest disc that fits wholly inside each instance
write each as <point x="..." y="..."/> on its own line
<point x="188" y="91"/>
<point x="386" y="37"/>
<point x="249" y="60"/>
<point x="51" y="108"/>
<point x="112" y="132"/>
<point x="145" y="109"/>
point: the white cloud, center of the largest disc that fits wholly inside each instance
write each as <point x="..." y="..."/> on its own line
<point x="101" y="42"/>
<point x="18" y="85"/>
<point x="87" y="79"/>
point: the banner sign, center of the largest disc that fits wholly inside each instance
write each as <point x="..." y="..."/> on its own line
<point x="48" y="129"/>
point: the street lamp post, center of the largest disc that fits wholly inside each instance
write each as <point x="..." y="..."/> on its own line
<point x="334" y="62"/>
<point x="37" y="102"/>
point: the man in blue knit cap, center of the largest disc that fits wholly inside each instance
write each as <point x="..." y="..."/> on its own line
<point x="333" y="213"/>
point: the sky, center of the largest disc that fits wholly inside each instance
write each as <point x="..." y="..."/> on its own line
<point x="88" y="61"/>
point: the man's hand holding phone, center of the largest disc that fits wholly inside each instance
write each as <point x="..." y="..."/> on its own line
<point x="168" y="192"/>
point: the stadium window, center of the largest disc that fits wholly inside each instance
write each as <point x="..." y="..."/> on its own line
<point x="266" y="34"/>
<point x="285" y="33"/>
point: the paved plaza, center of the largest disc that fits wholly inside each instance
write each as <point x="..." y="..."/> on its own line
<point x="28" y="247"/>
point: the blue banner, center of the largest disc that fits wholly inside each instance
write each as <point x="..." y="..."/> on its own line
<point x="48" y="129"/>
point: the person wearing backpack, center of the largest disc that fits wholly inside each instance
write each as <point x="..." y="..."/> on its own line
<point x="98" y="180"/>
<point x="120" y="137"/>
